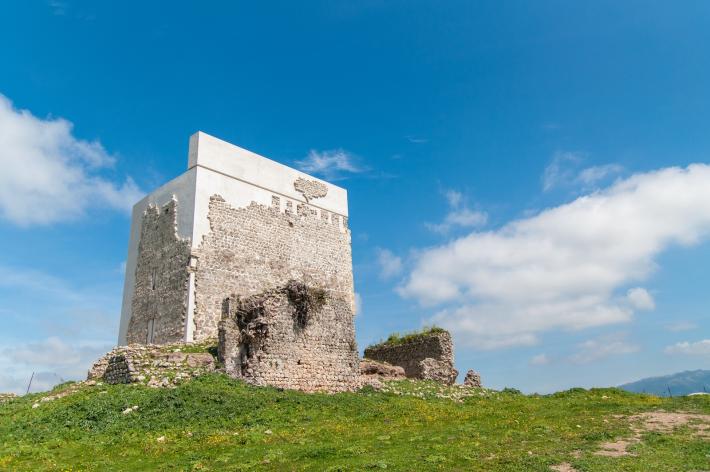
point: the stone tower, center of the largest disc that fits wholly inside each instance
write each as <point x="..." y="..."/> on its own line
<point x="234" y="224"/>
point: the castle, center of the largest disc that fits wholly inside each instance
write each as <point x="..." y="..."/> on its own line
<point x="251" y="251"/>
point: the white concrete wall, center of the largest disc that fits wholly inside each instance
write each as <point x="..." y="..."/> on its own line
<point x="183" y="190"/>
<point x="222" y="157"/>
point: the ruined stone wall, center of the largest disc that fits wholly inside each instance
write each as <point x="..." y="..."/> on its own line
<point x="161" y="279"/>
<point x="256" y="248"/>
<point x="155" y="366"/>
<point x="428" y="356"/>
<point x="295" y="336"/>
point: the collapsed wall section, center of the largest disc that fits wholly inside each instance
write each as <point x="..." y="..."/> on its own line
<point x="425" y="356"/>
<point x="295" y="336"/>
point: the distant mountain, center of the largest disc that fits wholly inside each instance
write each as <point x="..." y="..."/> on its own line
<point x="682" y="383"/>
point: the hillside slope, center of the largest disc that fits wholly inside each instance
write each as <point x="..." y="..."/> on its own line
<point x="681" y="383"/>
<point x="216" y="423"/>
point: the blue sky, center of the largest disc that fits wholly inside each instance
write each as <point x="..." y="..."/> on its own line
<point x="531" y="175"/>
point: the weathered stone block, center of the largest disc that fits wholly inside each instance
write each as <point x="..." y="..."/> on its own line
<point x="472" y="379"/>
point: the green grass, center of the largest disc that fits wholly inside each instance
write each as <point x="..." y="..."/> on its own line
<point x="395" y="339"/>
<point x="216" y="423"/>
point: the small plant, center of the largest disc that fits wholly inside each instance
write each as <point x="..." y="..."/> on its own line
<point x="306" y="301"/>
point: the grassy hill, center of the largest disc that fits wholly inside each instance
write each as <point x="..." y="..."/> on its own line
<point x="682" y="383"/>
<point x="216" y="423"/>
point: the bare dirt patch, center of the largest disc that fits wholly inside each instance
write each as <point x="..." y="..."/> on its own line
<point x="564" y="467"/>
<point x="655" y="421"/>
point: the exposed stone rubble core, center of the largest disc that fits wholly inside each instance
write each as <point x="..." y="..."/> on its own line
<point x="310" y="188"/>
<point x="155" y="366"/>
<point x="159" y="301"/>
<point x="295" y="336"/>
<point x="472" y="379"/>
<point x="426" y="356"/>
<point x="381" y="369"/>
<point x="374" y="373"/>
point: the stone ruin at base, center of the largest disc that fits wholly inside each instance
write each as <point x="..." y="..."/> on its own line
<point x="255" y="254"/>
<point x="289" y="337"/>
<point x="428" y="355"/>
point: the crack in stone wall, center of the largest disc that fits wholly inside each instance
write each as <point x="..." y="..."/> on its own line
<point x="161" y="279"/>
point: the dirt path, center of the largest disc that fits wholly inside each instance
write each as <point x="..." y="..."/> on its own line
<point x="653" y="421"/>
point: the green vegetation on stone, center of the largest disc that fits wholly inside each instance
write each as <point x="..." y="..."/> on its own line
<point x="396" y="339"/>
<point x="217" y="423"/>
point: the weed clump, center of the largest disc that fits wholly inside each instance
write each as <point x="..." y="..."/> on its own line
<point x="305" y="300"/>
<point x="396" y="339"/>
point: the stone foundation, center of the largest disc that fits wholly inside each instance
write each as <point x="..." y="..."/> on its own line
<point x="425" y="356"/>
<point x="155" y="366"/>
<point x="295" y="337"/>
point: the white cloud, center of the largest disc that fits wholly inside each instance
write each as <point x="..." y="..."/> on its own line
<point x="592" y="175"/>
<point x="459" y="215"/>
<point x="564" y="267"/>
<point x="698" y="348"/>
<point x="601" y="348"/>
<point x="48" y="175"/>
<point x="540" y="359"/>
<point x="564" y="170"/>
<point x="390" y="264"/>
<point x="641" y="299"/>
<point x="53" y="360"/>
<point x="681" y="326"/>
<point x="332" y="164"/>
<point x="358" y="304"/>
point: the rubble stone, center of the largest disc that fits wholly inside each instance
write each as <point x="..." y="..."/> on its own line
<point x="155" y="366"/>
<point x="472" y="379"/>
<point x="295" y="337"/>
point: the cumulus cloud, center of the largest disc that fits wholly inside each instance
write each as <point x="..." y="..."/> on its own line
<point x="459" y="215"/>
<point x="564" y="267"/>
<point x="601" y="348"/>
<point x="332" y="164"/>
<point x="390" y="264"/>
<point x="640" y="299"/>
<point x="48" y="175"/>
<point x="565" y="171"/>
<point x="698" y="348"/>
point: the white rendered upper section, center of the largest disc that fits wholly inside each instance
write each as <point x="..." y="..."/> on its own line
<point x="232" y="161"/>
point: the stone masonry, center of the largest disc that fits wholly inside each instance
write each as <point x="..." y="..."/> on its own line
<point x="155" y="366"/>
<point x="159" y="303"/>
<point x="295" y="336"/>
<point x="239" y="224"/>
<point x="426" y="356"/>
<point x="257" y="248"/>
